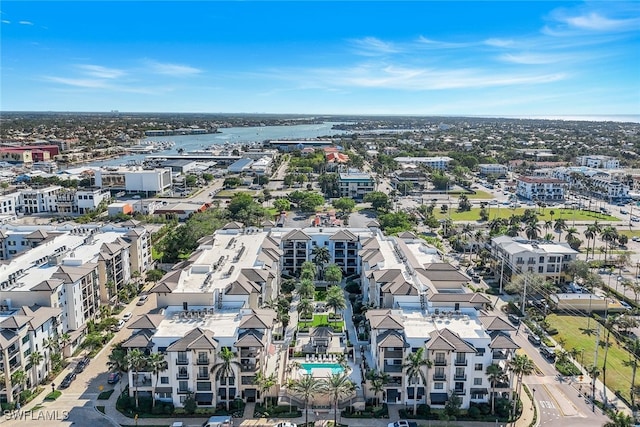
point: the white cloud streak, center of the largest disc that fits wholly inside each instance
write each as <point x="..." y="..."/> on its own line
<point x="25" y="23"/>
<point x="101" y="72"/>
<point x="177" y="70"/>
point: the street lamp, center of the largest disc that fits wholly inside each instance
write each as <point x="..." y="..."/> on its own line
<point x="53" y="387"/>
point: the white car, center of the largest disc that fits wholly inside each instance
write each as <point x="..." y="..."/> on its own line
<point x="399" y="423"/>
<point x="120" y="324"/>
<point x="127" y="316"/>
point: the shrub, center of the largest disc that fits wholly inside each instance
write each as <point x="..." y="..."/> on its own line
<point x="168" y="409"/>
<point x="352" y="288"/>
<point x="474" y="412"/>
<point x="157" y="410"/>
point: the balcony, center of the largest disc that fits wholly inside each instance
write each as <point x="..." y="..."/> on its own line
<point x="203" y="376"/>
<point x="440" y="362"/>
<point x="460" y="391"/>
<point x="395" y="354"/>
<point x="392" y="368"/>
<point x="499" y="355"/>
<point x="182" y="376"/>
<point x="142" y="381"/>
<point x="249" y="367"/>
<point x="460" y="362"/>
<point x="439" y="377"/>
<point x="184" y="391"/>
<point x="203" y="361"/>
<point x="460" y="377"/>
<point x="249" y="352"/>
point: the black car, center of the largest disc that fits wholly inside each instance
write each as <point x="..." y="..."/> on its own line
<point x="548" y="353"/>
<point x="82" y="364"/>
<point x="534" y="339"/>
<point x="68" y="379"/>
<point x="514" y="319"/>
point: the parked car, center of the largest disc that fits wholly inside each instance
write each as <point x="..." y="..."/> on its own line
<point x="625" y="305"/>
<point x="399" y="423"/>
<point x="127" y="316"/>
<point x="82" y="364"/>
<point x="514" y="319"/>
<point x="68" y="379"/>
<point x="120" y="324"/>
<point x="142" y="300"/>
<point x="548" y="353"/>
<point x="534" y="339"/>
<point x="114" y="377"/>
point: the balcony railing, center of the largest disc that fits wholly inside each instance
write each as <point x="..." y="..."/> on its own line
<point x="440" y="362"/>
<point x="182" y="376"/>
<point x="182" y="361"/>
<point x="396" y="354"/>
<point x="439" y="377"/>
<point x="459" y="391"/>
<point x="249" y="367"/>
<point x="460" y="377"/>
<point x="499" y="355"/>
<point x="392" y="368"/>
<point x="203" y="376"/>
<point x="204" y="361"/>
<point x="461" y="362"/>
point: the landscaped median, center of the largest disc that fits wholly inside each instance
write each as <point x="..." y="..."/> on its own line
<point x="577" y="333"/>
<point x="506" y="212"/>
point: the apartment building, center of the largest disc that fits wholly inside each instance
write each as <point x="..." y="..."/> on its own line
<point x="599" y="162"/>
<point x="493" y="169"/>
<point x="134" y="179"/>
<point x="73" y="201"/>
<point x="515" y="255"/>
<point x="39" y="200"/>
<point x="460" y="343"/>
<point x="69" y="268"/>
<point x="355" y="185"/>
<point x="8" y="207"/>
<point x="24" y="331"/>
<point x="540" y="189"/>
<point x="437" y="163"/>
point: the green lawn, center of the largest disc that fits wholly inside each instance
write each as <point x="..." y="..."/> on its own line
<point x="319" y="320"/>
<point x="481" y="195"/>
<point x="573" y="330"/>
<point x="543" y="215"/>
<point x="227" y="194"/>
<point x="53" y="395"/>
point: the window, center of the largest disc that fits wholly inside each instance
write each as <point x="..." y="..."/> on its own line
<point x="183" y="386"/>
<point x="478" y="367"/>
<point x="164" y="380"/>
<point x="477" y="381"/>
<point x="203" y="386"/>
<point x="25" y="339"/>
<point x="438" y="386"/>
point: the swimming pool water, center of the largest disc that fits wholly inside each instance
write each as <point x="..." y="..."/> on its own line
<point x="336" y="368"/>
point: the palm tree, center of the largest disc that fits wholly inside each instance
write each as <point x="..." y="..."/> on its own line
<point x="521" y="365"/>
<point x="495" y="374"/>
<point x="18" y="377"/>
<point x="378" y="383"/>
<point x="559" y="226"/>
<point x="264" y="383"/>
<point x="467" y="232"/>
<point x="532" y="230"/>
<point x="619" y="419"/>
<point x="321" y="256"/>
<point x="594" y="371"/>
<point x="634" y="349"/>
<point x="337" y="386"/>
<point x="35" y="359"/>
<point x="306" y="387"/>
<point x="609" y="324"/>
<point x="548" y="225"/>
<point x="224" y="368"/>
<point x="589" y="233"/>
<point x="65" y="340"/>
<point x="306" y="288"/>
<point x="608" y="235"/>
<point x="305" y="307"/>
<point x="571" y="234"/>
<point x="136" y="360"/>
<point x="307" y="270"/>
<point x="335" y="299"/>
<point x="414" y="373"/>
<point x="118" y="362"/>
<point x="157" y="364"/>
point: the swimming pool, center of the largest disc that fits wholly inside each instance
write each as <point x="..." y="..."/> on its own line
<point x="335" y="368"/>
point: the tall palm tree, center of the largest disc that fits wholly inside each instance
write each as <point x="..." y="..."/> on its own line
<point x="35" y="359"/>
<point x="306" y="288"/>
<point x="265" y="383"/>
<point x="336" y="387"/>
<point x="571" y="234"/>
<point x="321" y="256"/>
<point x="224" y="368"/>
<point x="415" y="374"/>
<point x="335" y="299"/>
<point x="305" y="307"/>
<point x="308" y="270"/>
<point x="378" y="382"/>
<point x="18" y="377"/>
<point x="521" y="365"/>
<point x="306" y="387"/>
<point x="548" y="225"/>
<point x="136" y="360"/>
<point x="609" y="324"/>
<point x="559" y="226"/>
<point x="117" y="361"/>
<point x="495" y="374"/>
<point x="157" y="364"/>
<point x="594" y="371"/>
<point x="608" y="235"/>
<point x="65" y="340"/>
<point x="634" y="349"/>
<point x="589" y="233"/>
<point x="466" y="232"/>
<point x="532" y="230"/>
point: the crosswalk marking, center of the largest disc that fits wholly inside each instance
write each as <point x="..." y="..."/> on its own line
<point x="547" y="404"/>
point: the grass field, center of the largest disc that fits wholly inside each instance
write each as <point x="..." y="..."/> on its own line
<point x="573" y="330"/>
<point x="320" y="320"/>
<point x="226" y="194"/>
<point x="505" y="212"/>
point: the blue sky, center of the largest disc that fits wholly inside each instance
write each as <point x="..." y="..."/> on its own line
<point x="426" y="58"/>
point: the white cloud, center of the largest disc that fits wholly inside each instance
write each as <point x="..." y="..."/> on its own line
<point x="172" y="69"/>
<point x="531" y="58"/>
<point x="372" y="46"/>
<point x="595" y="22"/>
<point x="85" y="83"/>
<point x="4" y="21"/>
<point x="437" y="44"/>
<point x="101" y="72"/>
<point x="498" y="42"/>
<point x="25" y="23"/>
